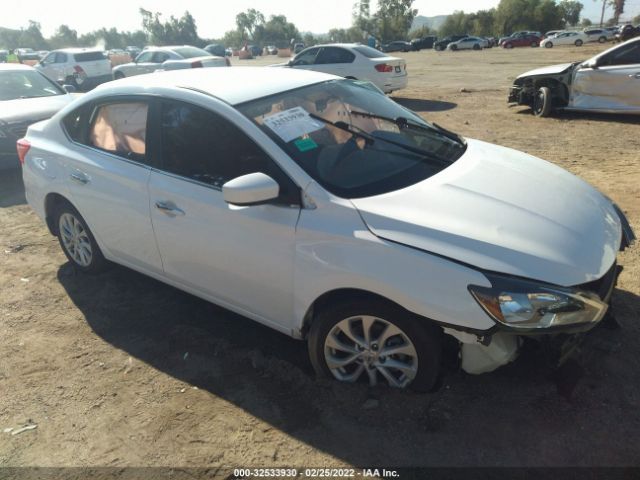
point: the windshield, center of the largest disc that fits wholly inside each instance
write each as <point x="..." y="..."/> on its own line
<point x="347" y="136"/>
<point x="26" y="84"/>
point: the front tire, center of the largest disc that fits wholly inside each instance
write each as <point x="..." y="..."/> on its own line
<point x="377" y="341"/>
<point x="548" y="45"/>
<point x="118" y="75"/>
<point x="542" y="102"/>
<point x="578" y="43"/>
<point x="77" y="241"/>
<point x="602" y="39"/>
<point x="508" y="45"/>
<point x="476" y="47"/>
<point x="454" y="47"/>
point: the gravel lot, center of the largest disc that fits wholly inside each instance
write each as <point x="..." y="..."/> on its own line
<point x="121" y="370"/>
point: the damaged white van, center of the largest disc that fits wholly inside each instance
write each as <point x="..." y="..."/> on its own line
<point x="321" y="208"/>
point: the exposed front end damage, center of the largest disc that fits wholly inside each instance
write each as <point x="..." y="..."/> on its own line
<point x="558" y="80"/>
<point x="487" y="351"/>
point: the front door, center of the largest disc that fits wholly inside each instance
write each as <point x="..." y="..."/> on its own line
<point x="239" y="257"/>
<point x="613" y="85"/>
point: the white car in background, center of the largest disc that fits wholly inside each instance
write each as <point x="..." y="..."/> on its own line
<point x="322" y="208"/>
<point x="599" y="35"/>
<point x="154" y="59"/>
<point x="565" y="38"/>
<point x="354" y="61"/>
<point x="84" y="68"/>
<point x="469" y="43"/>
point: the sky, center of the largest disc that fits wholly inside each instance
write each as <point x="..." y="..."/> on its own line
<point x="215" y="17"/>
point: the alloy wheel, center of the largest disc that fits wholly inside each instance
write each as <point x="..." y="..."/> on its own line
<point x="370" y="345"/>
<point x="75" y="239"/>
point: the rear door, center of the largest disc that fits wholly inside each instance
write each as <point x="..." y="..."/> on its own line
<point x="241" y="257"/>
<point x="613" y="85"/>
<point x="53" y="66"/>
<point x="107" y="170"/>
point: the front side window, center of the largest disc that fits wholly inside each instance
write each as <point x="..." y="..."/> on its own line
<point x="308" y="57"/>
<point x="144" y="57"/>
<point x="121" y="129"/>
<point x="204" y="146"/>
<point x="353" y="140"/>
<point x="625" y="55"/>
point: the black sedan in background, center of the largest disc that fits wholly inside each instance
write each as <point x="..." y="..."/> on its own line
<point x="442" y="44"/>
<point x="397" y="46"/>
<point x="26" y="97"/>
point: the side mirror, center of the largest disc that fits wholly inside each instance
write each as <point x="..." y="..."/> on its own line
<point x="251" y="189"/>
<point x="69" y="88"/>
<point x="592" y="64"/>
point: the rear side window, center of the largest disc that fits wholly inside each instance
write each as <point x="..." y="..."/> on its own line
<point x="191" y="52"/>
<point x="330" y="55"/>
<point x="74" y="124"/>
<point x="121" y="129"/>
<point x="369" y="52"/>
<point x="89" y="56"/>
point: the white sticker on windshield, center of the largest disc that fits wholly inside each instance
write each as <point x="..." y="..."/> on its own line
<point x="292" y="123"/>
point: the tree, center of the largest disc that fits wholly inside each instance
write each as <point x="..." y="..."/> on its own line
<point x="277" y="31"/>
<point x="423" y="31"/>
<point x="362" y="19"/>
<point x="571" y="10"/>
<point x="248" y="21"/>
<point x="483" y="22"/>
<point x="636" y="20"/>
<point x="394" y="18"/>
<point x="586" y="23"/>
<point x="181" y="30"/>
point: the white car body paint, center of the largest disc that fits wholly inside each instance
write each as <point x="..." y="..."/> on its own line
<point x="361" y="68"/>
<point x="420" y="246"/>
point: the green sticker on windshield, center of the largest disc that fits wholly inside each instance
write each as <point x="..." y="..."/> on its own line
<point x="305" y="144"/>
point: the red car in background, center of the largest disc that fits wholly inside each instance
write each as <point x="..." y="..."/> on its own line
<point x="522" y="41"/>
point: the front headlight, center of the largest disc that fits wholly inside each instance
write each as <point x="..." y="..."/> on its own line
<point x="527" y="305"/>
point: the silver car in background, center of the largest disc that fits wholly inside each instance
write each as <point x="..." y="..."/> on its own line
<point x="169" y="58"/>
<point x="608" y="82"/>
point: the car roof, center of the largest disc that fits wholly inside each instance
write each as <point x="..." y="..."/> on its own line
<point x="14" y="66"/>
<point x="233" y="85"/>
<point x="77" y="50"/>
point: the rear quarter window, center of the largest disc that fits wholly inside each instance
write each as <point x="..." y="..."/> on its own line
<point x="369" y="52"/>
<point x="89" y="56"/>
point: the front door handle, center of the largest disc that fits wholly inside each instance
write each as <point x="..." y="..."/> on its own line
<point x="635" y="75"/>
<point x="169" y="208"/>
<point x="79" y="177"/>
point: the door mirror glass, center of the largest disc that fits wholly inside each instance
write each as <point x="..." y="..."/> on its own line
<point x="593" y="63"/>
<point x="251" y="189"/>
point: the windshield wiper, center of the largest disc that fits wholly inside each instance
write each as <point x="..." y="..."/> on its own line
<point x="370" y="139"/>
<point x="345" y="126"/>
<point x="404" y="122"/>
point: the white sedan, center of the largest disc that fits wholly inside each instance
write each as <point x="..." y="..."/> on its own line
<point x="318" y="206"/>
<point x="469" y="43"/>
<point x="565" y="38"/>
<point x="155" y="59"/>
<point x="355" y="61"/>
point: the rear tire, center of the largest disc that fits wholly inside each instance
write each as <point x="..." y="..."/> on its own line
<point x="508" y="45"/>
<point x="358" y="337"/>
<point x="77" y="241"/>
<point x="542" y="102"/>
<point x="602" y="39"/>
<point x="454" y="47"/>
<point x="118" y="75"/>
<point x="578" y="43"/>
<point x="476" y="47"/>
<point x="534" y="44"/>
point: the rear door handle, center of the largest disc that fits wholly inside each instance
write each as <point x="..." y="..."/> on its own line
<point x="169" y="208"/>
<point x="79" y="177"/>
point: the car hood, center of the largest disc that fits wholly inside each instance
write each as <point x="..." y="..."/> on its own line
<point x="25" y="109"/>
<point x="503" y="211"/>
<point x="553" y="69"/>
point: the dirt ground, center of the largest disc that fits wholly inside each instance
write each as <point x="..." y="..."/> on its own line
<point x="121" y="370"/>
